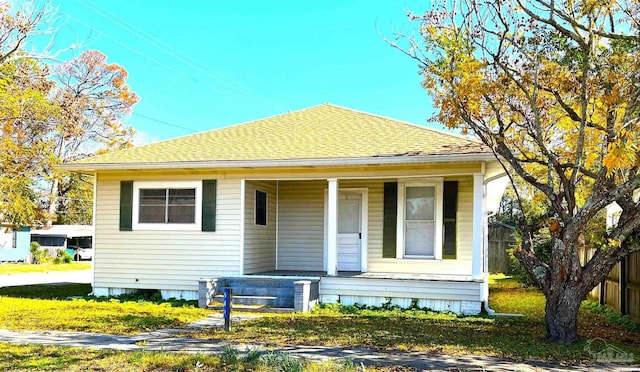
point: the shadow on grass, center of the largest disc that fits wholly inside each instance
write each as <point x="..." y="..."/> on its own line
<point x="47" y="291"/>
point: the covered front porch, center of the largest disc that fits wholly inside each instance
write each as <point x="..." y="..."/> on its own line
<point x="407" y="238"/>
<point x="362" y="225"/>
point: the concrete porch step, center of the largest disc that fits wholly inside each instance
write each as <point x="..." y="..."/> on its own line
<point x="251" y="308"/>
<point x="258" y="282"/>
<point x="272" y="301"/>
<point x="262" y="291"/>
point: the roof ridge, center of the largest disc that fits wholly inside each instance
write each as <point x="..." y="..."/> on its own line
<point x="442" y="132"/>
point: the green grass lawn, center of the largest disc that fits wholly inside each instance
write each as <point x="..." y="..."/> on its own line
<point x="20" y="268"/>
<point x="390" y="330"/>
<point x="46" y="307"/>
<point x="51" y="358"/>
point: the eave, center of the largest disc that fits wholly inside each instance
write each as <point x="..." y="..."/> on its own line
<point x="280" y="163"/>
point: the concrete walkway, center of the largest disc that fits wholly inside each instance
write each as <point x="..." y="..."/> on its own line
<point x="51" y="277"/>
<point x="166" y="341"/>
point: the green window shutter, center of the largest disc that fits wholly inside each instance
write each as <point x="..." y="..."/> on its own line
<point x="450" y="201"/>
<point x="389" y="226"/>
<point x="209" y="205"/>
<point x="126" y="205"/>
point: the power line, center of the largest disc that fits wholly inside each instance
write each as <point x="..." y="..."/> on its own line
<point x="151" y="59"/>
<point x="171" y="51"/>
<point x="164" y="122"/>
<point x="143" y="55"/>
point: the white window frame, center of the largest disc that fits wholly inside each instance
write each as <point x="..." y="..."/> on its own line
<point x="438" y="228"/>
<point x="255" y="207"/>
<point x="196" y="226"/>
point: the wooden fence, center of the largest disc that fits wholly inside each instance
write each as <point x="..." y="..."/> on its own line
<point x="500" y="240"/>
<point x="621" y="289"/>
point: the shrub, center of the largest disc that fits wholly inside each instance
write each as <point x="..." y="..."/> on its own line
<point x="282" y="362"/>
<point x="612" y="316"/>
<point x="62" y="256"/>
<point x="228" y="356"/>
<point x="38" y="256"/>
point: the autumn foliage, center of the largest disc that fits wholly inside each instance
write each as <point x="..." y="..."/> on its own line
<point x="49" y="114"/>
<point x="553" y="89"/>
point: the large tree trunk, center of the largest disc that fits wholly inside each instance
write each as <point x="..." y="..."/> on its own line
<point x="561" y="315"/>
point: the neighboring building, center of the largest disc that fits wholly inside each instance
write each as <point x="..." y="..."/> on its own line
<point x="77" y="240"/>
<point x="14" y="244"/>
<point x="365" y="208"/>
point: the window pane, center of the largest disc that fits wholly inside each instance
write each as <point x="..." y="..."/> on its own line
<point x="419" y="238"/>
<point x="261" y="208"/>
<point x="152" y="205"/>
<point x="153" y="196"/>
<point x="420" y="202"/>
<point x="182" y="197"/>
<point x="182" y="214"/>
<point x="182" y="206"/>
<point x="151" y="214"/>
<point x="348" y="216"/>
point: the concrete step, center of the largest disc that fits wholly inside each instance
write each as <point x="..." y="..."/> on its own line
<point x="258" y="282"/>
<point x="262" y="291"/>
<point x="252" y="308"/>
<point x="272" y="301"/>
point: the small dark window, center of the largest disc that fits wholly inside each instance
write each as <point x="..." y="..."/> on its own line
<point x="261" y="208"/>
<point x="167" y="206"/>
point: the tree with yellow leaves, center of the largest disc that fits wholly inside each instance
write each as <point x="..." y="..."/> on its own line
<point x="52" y="113"/>
<point x="553" y="88"/>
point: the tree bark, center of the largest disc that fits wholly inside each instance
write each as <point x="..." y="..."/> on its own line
<point x="561" y="315"/>
<point x="53" y="200"/>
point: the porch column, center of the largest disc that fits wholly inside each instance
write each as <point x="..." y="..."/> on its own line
<point x="332" y="227"/>
<point x="478" y="221"/>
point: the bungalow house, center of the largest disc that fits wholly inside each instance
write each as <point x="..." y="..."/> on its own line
<point x="353" y="207"/>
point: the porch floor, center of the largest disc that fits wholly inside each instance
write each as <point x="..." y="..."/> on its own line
<point x="370" y="275"/>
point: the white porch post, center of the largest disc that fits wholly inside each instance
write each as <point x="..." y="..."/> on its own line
<point x="478" y="231"/>
<point x="332" y="227"/>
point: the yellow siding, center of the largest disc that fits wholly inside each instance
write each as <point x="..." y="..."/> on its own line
<point x="301" y="229"/>
<point x="459" y="266"/>
<point x="170" y="260"/>
<point x="492" y="169"/>
<point x="259" y="241"/>
<point x="301" y="225"/>
<point x="175" y="260"/>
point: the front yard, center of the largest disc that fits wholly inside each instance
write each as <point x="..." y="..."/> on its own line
<point x="21" y="268"/>
<point x="381" y="329"/>
<point x="46" y="307"/>
<point x="417" y="330"/>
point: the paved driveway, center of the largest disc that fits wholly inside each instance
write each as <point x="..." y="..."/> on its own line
<point x="81" y="276"/>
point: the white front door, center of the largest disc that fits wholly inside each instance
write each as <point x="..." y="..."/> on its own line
<point x="349" y="231"/>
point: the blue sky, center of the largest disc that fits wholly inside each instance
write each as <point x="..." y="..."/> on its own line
<point x="199" y="65"/>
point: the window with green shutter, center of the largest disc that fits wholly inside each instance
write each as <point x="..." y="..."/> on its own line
<point x="126" y="205"/>
<point x="168" y="205"/>
<point x="450" y="207"/>
<point x="390" y="213"/>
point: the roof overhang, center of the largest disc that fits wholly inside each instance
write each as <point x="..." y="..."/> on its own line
<point x="280" y="163"/>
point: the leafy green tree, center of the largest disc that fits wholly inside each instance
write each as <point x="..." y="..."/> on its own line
<point x="552" y="88"/>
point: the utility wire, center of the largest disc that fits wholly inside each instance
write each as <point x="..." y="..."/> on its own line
<point x="172" y="52"/>
<point x="164" y="122"/>
<point x="143" y="55"/>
